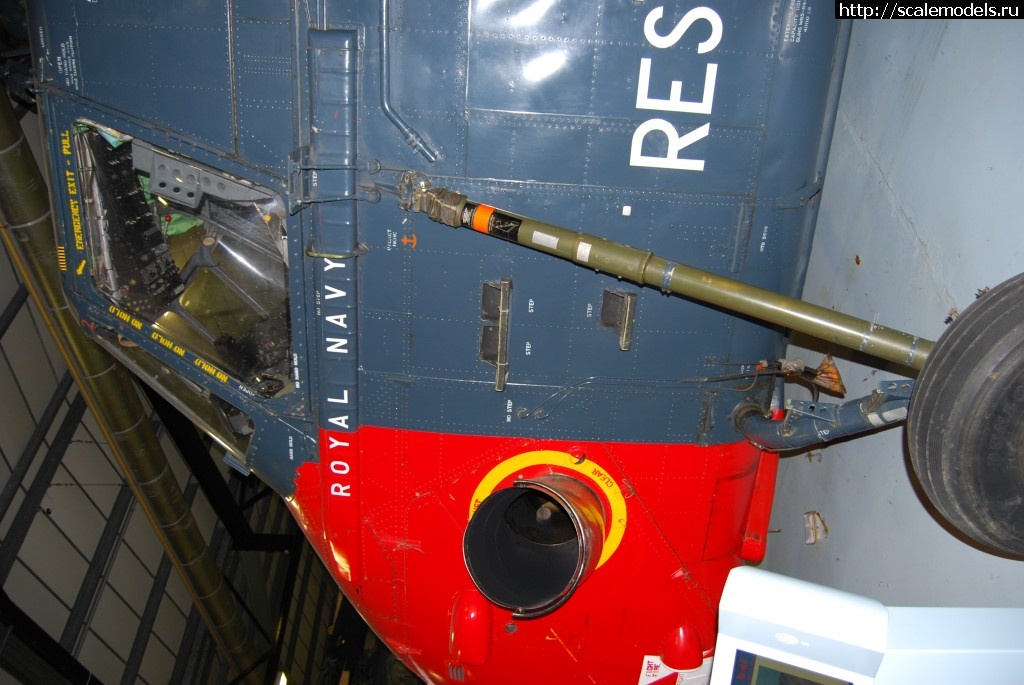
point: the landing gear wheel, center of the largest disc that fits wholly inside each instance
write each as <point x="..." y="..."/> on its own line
<point x="965" y="428"/>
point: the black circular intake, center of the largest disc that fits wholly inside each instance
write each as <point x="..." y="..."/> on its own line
<point x="530" y="546"/>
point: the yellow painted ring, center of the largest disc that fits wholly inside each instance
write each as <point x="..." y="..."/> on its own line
<point x="610" y="488"/>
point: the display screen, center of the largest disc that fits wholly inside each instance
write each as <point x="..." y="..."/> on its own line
<point x="753" y="669"/>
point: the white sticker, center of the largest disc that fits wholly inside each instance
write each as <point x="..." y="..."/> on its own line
<point x="897" y="414"/>
<point x="655" y="672"/>
<point x="583" y="252"/>
<point x="545" y="240"/>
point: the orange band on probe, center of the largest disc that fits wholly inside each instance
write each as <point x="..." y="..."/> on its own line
<point x="482" y="217"/>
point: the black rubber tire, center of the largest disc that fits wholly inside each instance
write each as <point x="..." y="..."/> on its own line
<point x="965" y="428"/>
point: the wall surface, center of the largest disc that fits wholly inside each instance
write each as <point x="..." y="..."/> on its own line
<point x="920" y="210"/>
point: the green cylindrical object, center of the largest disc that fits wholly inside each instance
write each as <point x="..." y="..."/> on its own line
<point x="646" y="268"/>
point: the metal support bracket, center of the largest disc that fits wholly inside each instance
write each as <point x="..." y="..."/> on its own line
<point x="174" y="179"/>
<point x="799" y="198"/>
<point x="810" y="423"/>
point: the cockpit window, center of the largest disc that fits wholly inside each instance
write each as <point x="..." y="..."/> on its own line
<point x="198" y="253"/>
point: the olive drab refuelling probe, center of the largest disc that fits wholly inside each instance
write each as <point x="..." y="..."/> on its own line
<point x="644" y="267"/>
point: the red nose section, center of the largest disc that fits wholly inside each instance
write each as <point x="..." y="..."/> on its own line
<point x="598" y="559"/>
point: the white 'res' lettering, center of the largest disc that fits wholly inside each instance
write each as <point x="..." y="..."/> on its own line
<point x="675" y="101"/>
<point x="676" y="143"/>
<point x="696" y="14"/>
